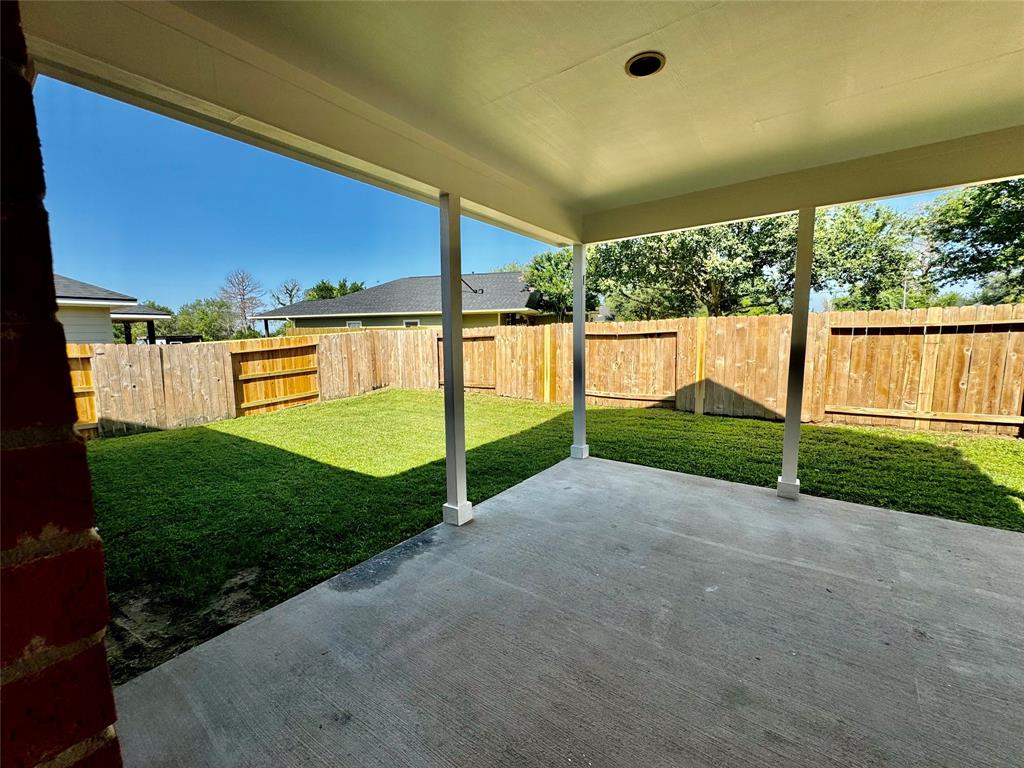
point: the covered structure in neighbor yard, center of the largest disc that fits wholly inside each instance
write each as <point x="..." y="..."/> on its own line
<point x="140" y="313"/>
<point x="541" y="118"/>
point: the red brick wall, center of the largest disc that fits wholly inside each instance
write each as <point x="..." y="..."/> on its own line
<point x="56" y="703"/>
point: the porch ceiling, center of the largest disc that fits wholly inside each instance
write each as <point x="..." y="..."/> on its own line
<point x="525" y="110"/>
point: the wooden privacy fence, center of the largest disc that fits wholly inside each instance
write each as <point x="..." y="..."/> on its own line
<point x="956" y="368"/>
<point x="121" y="389"/>
<point x="272" y="373"/>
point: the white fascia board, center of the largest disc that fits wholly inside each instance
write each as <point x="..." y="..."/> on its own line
<point x="131" y="318"/>
<point x="967" y="160"/>
<point x="64" y="302"/>
<point x="162" y="58"/>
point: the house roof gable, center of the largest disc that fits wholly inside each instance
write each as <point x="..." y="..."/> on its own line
<point x="483" y="292"/>
<point x="71" y="291"/>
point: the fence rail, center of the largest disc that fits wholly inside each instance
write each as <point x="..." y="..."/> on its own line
<point x="951" y="369"/>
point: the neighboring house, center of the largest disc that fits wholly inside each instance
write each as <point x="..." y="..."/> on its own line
<point x="84" y="310"/>
<point x="490" y="298"/>
<point x="88" y="312"/>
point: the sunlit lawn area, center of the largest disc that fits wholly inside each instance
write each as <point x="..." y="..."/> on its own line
<point x="208" y="525"/>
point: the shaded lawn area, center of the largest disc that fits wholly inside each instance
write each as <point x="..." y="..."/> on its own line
<point x="208" y="525"/>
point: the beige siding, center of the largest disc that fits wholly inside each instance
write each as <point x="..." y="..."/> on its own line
<point x="479" y="321"/>
<point x="397" y="321"/>
<point x="86" y="325"/>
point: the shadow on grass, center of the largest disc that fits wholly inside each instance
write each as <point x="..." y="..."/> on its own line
<point x="203" y="529"/>
<point x="909" y="472"/>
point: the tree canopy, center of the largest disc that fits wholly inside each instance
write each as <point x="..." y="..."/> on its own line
<point x="745" y="266"/>
<point x="978" y="233"/>
<point x="512" y="266"/>
<point x="213" y="319"/>
<point x="325" y="289"/>
<point x="865" y="251"/>
<point x="551" y="274"/>
<point x="869" y="256"/>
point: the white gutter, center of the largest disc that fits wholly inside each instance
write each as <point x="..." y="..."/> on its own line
<point x="398" y="314"/>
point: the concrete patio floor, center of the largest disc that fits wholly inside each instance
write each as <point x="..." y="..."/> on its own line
<point x="604" y="614"/>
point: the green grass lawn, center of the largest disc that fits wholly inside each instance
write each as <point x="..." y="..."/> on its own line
<point x="208" y="525"/>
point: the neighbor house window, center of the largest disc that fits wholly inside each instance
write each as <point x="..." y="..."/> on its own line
<point x="412" y="323"/>
<point x="354" y="324"/>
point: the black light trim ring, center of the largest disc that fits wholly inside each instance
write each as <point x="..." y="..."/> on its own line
<point x="645" y="64"/>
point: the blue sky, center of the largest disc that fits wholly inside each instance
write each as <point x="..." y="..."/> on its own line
<point x="161" y="210"/>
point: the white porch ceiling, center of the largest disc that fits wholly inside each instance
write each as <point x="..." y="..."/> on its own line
<point x="525" y="110"/>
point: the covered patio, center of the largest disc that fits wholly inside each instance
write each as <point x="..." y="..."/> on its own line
<point x="608" y="614"/>
<point x="601" y="613"/>
<point x="597" y="122"/>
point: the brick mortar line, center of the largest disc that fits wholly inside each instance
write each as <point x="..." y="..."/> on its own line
<point x="47" y="545"/>
<point x="48" y="656"/>
<point x="81" y="750"/>
<point x="35" y="436"/>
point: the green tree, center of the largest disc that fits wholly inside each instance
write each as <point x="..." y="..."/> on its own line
<point x="213" y="319"/>
<point x="978" y="233"/>
<point x="325" y="289"/>
<point x="870" y="255"/>
<point x="897" y="298"/>
<point x="512" y="266"/>
<point x="740" y="268"/>
<point x="867" y="251"/>
<point x="345" y="287"/>
<point x="322" y="289"/>
<point x="995" y="289"/>
<point x="247" y="333"/>
<point x="550" y="273"/>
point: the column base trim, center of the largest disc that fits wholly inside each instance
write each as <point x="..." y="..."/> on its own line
<point x="458" y="514"/>
<point x="788" y="490"/>
<point x="579" y="451"/>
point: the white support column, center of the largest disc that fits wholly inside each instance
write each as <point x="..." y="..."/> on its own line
<point x="579" y="449"/>
<point x="457" y="510"/>
<point x="789" y="486"/>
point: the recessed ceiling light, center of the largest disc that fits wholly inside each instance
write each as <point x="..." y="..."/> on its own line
<point x="645" y="64"/>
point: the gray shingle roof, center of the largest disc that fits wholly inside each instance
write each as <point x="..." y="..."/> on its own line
<point x="138" y="310"/>
<point x="504" y="291"/>
<point x="67" y="288"/>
